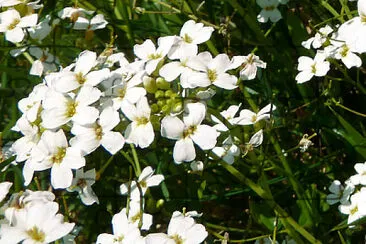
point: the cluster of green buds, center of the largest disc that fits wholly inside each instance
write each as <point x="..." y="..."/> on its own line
<point x="166" y="99"/>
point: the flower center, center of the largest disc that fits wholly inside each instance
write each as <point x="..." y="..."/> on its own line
<point x="81" y="183"/>
<point x="36" y="234"/>
<point x="189" y="131"/>
<point x="136" y="217"/>
<point x="212" y="75"/>
<point x="98" y="132"/>
<point x="57" y="158"/>
<point x="13" y="24"/>
<point x="254" y="118"/>
<point x="187" y="38"/>
<point x="142" y="121"/>
<point x="119" y="239"/>
<point x="354" y="210"/>
<point x="313" y="68"/>
<point x="80" y="78"/>
<point x="121" y="92"/>
<point x="154" y="56"/>
<point x="177" y="239"/>
<point x="344" y="50"/>
<point x="269" y="8"/>
<point x="71" y="109"/>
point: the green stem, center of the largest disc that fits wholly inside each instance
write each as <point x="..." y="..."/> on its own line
<point x="338" y="104"/>
<point x="286" y="218"/>
<point x="136" y="160"/>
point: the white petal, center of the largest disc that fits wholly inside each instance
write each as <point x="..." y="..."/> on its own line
<point x="15" y="35"/>
<point x="60" y="177"/>
<point x="172" y="127"/>
<point x="205" y="137"/>
<point x="184" y="151"/>
<point x="112" y="141"/>
<point x="85" y="62"/>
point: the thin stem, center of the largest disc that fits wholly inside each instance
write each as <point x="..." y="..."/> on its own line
<point x="136" y="160"/>
<point x="338" y="104"/>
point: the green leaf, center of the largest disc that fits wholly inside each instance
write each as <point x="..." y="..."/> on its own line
<point x="351" y="135"/>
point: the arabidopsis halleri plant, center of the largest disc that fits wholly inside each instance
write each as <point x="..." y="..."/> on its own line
<point x="248" y="117"/>
<point x="319" y="39"/>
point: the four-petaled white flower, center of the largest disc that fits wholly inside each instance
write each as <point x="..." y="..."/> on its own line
<point x="53" y="152"/>
<point x="360" y="177"/>
<point x="228" y="151"/>
<point x="249" y="65"/>
<point x="247" y="117"/>
<point x="82" y="184"/>
<point x="191" y="34"/>
<point x="356" y="208"/>
<point x="309" y="67"/>
<point x="145" y="180"/>
<point x="209" y="70"/>
<point x="13" y="25"/>
<point x="188" y="131"/>
<point x="269" y="11"/>
<point x="90" y="136"/>
<point x="339" y="193"/>
<point x="148" y="53"/>
<point x="140" y="132"/>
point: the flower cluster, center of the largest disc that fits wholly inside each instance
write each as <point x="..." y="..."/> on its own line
<point x="351" y="196"/>
<point x="343" y="43"/>
<point x="31" y="217"/>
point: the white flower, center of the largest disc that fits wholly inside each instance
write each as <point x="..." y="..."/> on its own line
<point x="45" y="62"/>
<point x="181" y="229"/>
<point x="229" y="115"/>
<point x="209" y="71"/>
<point x="255" y="141"/>
<point x="12" y="24"/>
<point x="360" y="178"/>
<point x="73" y="13"/>
<point x="140" y="131"/>
<point x="82" y="184"/>
<point x="188" y="131"/>
<point x="24" y="145"/>
<point x="343" y="51"/>
<point x="356" y="209"/>
<point x="309" y="67"/>
<point x="97" y="22"/>
<point x="124" y="232"/>
<point x="60" y="109"/>
<point x="122" y="91"/>
<point x="136" y="214"/>
<point x="82" y="75"/>
<point x="339" y="193"/>
<point x="145" y="180"/>
<point x="41" y="30"/>
<point x="53" y="152"/>
<point x="250" y="65"/>
<point x="148" y="53"/>
<point x="38" y="224"/>
<point x="90" y="136"/>
<point x="191" y="34"/>
<point x="320" y="37"/>
<point x="269" y="11"/>
<point x="247" y="117"/>
<point x="228" y="151"/>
